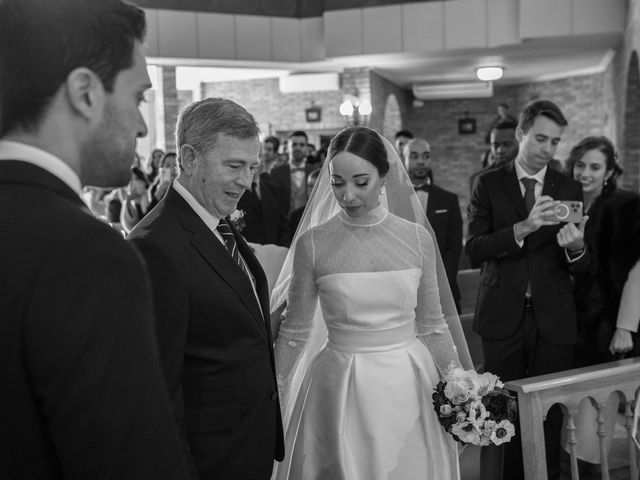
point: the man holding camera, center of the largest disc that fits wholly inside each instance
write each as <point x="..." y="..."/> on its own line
<point x="525" y="312"/>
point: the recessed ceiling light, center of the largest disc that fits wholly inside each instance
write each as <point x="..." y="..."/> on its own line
<point x="488" y="74"/>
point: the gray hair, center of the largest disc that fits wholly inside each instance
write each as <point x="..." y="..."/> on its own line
<point x="199" y="123"/>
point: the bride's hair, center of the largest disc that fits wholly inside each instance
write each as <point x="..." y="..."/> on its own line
<point x="363" y="142"/>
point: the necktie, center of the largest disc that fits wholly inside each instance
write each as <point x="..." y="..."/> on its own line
<point x="529" y="200"/>
<point x="232" y="247"/>
<point x="529" y="192"/>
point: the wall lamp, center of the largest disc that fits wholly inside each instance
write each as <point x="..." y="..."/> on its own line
<point x="355" y="109"/>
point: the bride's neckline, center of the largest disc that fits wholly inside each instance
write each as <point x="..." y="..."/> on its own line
<point x="371" y="218"/>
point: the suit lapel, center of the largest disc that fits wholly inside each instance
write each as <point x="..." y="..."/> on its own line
<point x="551" y="184"/>
<point x="262" y="288"/>
<point x="432" y="204"/>
<point x="215" y="254"/>
<point x="512" y="187"/>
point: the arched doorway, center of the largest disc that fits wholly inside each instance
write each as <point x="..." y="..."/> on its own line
<point x="392" y="120"/>
<point x="631" y="156"/>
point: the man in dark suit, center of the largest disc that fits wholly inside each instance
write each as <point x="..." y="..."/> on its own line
<point x="83" y="395"/>
<point x="441" y="206"/>
<point x="293" y="176"/>
<point x="504" y="147"/>
<point x="525" y="311"/>
<point x="265" y="208"/>
<point x="211" y="299"/>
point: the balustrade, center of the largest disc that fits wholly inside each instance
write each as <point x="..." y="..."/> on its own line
<point x="537" y="394"/>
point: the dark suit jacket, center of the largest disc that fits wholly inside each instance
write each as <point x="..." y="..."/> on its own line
<point x="496" y="205"/>
<point x="281" y="175"/>
<point x="443" y="212"/>
<point x="82" y="393"/>
<point x="266" y="216"/>
<point x="215" y="343"/>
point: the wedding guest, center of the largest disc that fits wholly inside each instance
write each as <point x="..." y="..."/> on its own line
<point x="400" y="140"/>
<point x="525" y="312"/>
<point x="153" y="163"/>
<point x="296" y="215"/>
<point x="293" y="176"/>
<point x="135" y="203"/>
<point x="441" y="206"/>
<point x="211" y="298"/>
<point x="265" y="208"/>
<point x="95" y="199"/>
<point x="270" y="148"/>
<point x="502" y="114"/>
<point x="592" y="162"/>
<point x="166" y="175"/>
<point x="82" y="394"/>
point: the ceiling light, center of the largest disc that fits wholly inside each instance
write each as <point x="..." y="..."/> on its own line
<point x="488" y="74"/>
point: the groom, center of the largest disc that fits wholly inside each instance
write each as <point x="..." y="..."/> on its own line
<point x="211" y="299"/>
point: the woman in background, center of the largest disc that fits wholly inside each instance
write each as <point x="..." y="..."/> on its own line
<point x="601" y="337"/>
<point x="167" y="173"/>
<point x="135" y="203"/>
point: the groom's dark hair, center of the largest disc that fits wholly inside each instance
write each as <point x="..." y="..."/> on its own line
<point x="363" y="142"/>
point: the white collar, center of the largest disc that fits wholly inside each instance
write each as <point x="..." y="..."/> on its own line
<point x="210" y="220"/>
<point x="522" y="173"/>
<point x="10" y="150"/>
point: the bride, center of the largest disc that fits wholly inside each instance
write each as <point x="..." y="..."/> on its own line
<point x="356" y="373"/>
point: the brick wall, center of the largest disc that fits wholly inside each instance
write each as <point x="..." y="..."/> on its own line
<point x="171" y="106"/>
<point x="585" y="101"/>
<point x="622" y="86"/>
<point x="281" y="112"/>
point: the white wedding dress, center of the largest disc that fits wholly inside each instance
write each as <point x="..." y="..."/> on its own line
<point x="364" y="410"/>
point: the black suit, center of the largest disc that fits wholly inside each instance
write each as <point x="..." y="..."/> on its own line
<point x="281" y="175"/>
<point x="82" y="391"/>
<point x="443" y="212"/>
<point x="215" y="343"/>
<point x="266" y="216"/>
<point x="517" y="341"/>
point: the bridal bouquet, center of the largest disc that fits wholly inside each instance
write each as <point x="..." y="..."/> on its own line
<point x="475" y="408"/>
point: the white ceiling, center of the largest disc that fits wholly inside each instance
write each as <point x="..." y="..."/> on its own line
<point x="530" y="61"/>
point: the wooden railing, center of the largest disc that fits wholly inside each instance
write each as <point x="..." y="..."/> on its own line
<point x="537" y="394"/>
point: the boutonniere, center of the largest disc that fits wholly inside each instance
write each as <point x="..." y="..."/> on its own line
<point x="237" y="218"/>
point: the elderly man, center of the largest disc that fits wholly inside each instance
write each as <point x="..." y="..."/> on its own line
<point x="82" y="394"/>
<point x="212" y="299"/>
<point x="441" y="206"/>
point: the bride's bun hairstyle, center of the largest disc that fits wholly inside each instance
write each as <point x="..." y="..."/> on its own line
<point x="363" y="142"/>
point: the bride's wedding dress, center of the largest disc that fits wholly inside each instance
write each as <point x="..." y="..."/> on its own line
<point x="364" y="409"/>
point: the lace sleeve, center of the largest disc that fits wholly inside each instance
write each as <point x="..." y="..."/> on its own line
<point x="301" y="305"/>
<point x="431" y="326"/>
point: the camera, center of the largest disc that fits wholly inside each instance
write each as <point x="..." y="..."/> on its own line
<point x="568" y="211"/>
